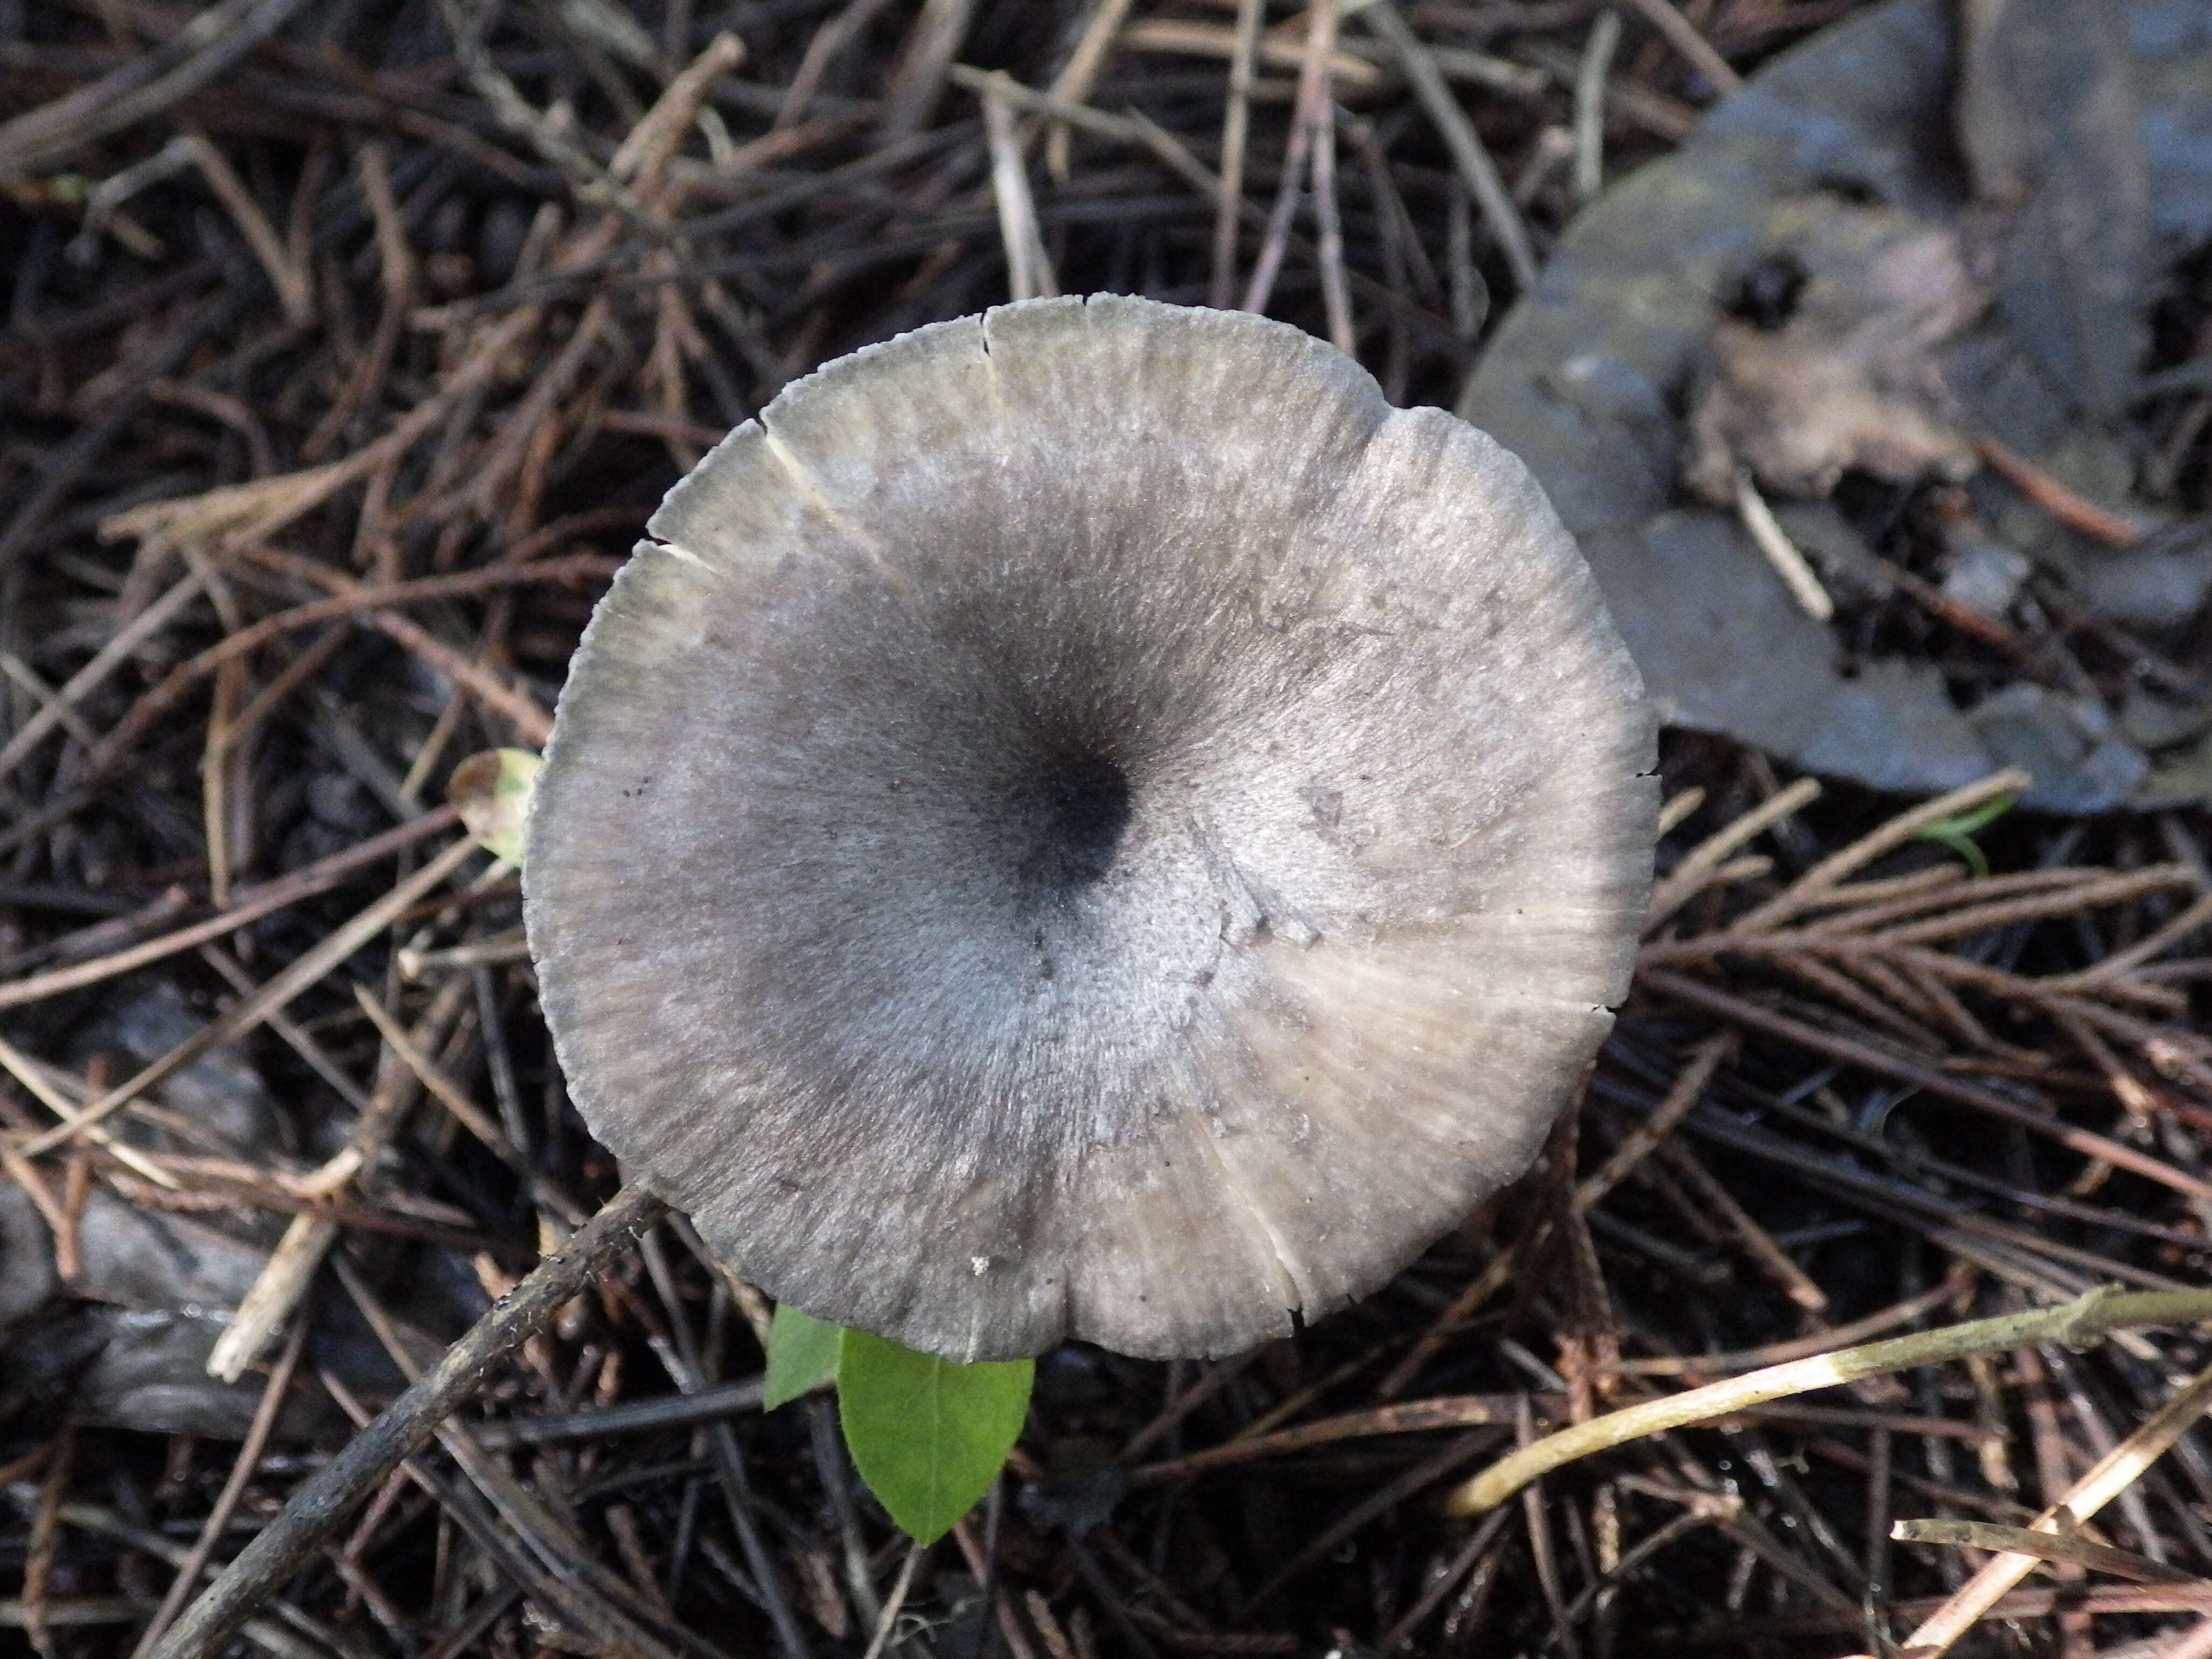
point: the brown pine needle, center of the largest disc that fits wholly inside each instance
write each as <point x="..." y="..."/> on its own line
<point x="2113" y="1474"/>
<point x="2043" y="1546"/>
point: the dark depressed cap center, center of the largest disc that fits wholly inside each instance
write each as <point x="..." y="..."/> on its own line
<point x="1084" y="821"/>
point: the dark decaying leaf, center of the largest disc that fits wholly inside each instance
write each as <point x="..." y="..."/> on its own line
<point x="2051" y="130"/>
<point x="1584" y="377"/>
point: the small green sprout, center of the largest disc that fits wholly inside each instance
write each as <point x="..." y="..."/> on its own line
<point x="491" y="791"/>
<point x="1957" y="831"/>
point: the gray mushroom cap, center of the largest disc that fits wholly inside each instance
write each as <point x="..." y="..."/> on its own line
<point x="1084" y="821"/>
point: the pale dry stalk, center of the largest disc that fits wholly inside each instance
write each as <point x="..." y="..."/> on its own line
<point x="2115" y="1472"/>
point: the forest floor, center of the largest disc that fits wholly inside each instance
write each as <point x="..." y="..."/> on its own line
<point x="347" y="349"/>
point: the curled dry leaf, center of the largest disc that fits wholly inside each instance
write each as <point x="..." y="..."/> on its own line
<point x="492" y="792"/>
<point x="1828" y="361"/>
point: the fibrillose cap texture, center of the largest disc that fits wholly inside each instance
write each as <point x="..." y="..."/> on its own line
<point x="1084" y="821"/>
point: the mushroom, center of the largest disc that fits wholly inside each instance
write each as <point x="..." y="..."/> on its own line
<point x="1084" y="822"/>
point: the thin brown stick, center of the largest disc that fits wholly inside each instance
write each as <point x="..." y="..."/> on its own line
<point x="1867" y="905"/>
<point x="1018" y="1642"/>
<point x="831" y="39"/>
<point x="348" y="600"/>
<point x="1336" y="302"/>
<point x="918" y="80"/>
<point x="1825" y="875"/>
<point x="27" y="1071"/>
<point x="1236" y="124"/>
<point x="104" y="661"/>
<point x="1867" y="1057"/>
<point x="396" y="260"/>
<point x="2043" y="1546"/>
<point x="899" y="1587"/>
<point x="1696" y="51"/>
<point x="1217" y="1376"/>
<point x="288" y="280"/>
<point x="1177" y="36"/>
<point x="248" y="905"/>
<point x="2112" y="1475"/>
<point x="2071" y="509"/>
<point x="248" y="1013"/>
<point x="2151" y="945"/>
<point x="1473" y="162"/>
<point x="318" y="1509"/>
<point x="1485" y="1285"/>
<point x="273" y="1392"/>
<point x="1757" y="1242"/>
<point x="1078" y="75"/>
<point x="207" y="47"/>
<point x="1767" y="534"/>
<point x="1029" y="270"/>
<point x="284" y="1278"/>
<point x="48" y="1203"/>
<point x="1297" y="163"/>
<point x="1688" y="1089"/>
<point x="252" y="512"/>
<point x="2116" y="888"/>
<point x="1902" y="924"/>
<point x="1416" y="1417"/>
<point x="45" y="1541"/>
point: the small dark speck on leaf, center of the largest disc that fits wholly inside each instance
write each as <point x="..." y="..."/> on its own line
<point x="1766" y="294"/>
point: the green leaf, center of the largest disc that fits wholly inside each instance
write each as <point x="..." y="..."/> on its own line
<point x="927" y="1435"/>
<point x="1957" y="831"/>
<point x="802" y="1355"/>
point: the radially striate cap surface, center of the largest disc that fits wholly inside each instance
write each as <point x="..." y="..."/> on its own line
<point x="1084" y="822"/>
